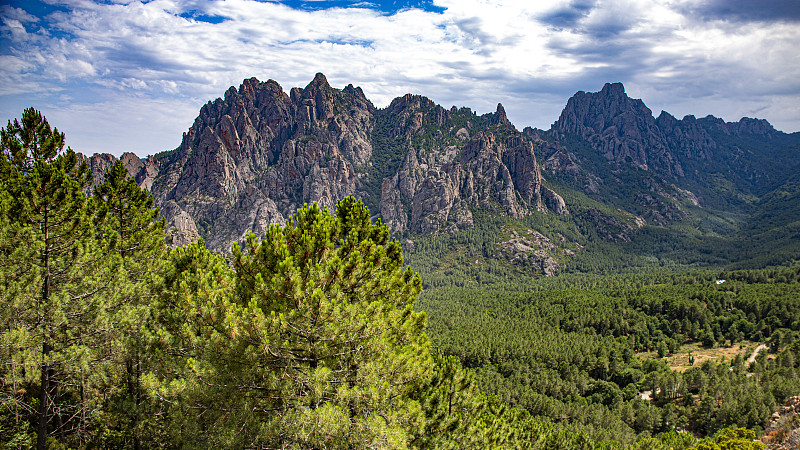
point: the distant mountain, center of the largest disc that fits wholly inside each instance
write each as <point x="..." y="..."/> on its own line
<point x="690" y="152"/>
<point x="608" y="167"/>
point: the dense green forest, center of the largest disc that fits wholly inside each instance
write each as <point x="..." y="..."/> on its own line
<point x="582" y="349"/>
<point x="320" y="335"/>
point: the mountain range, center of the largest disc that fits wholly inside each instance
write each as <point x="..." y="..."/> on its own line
<point x="607" y="177"/>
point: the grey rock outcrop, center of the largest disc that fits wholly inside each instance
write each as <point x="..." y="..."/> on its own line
<point x="484" y="173"/>
<point x="181" y="228"/>
<point x="783" y="429"/>
<point x="143" y="171"/>
<point x="749" y="126"/>
<point x="554" y="202"/>
<point x="98" y="164"/>
<point x="257" y="155"/>
<point x="621" y="128"/>
<point x="436" y="187"/>
<point x="534" y="250"/>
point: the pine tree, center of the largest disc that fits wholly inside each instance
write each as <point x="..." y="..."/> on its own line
<point x="317" y="344"/>
<point x="127" y="221"/>
<point x="51" y="261"/>
<point x="452" y="406"/>
<point x="16" y="343"/>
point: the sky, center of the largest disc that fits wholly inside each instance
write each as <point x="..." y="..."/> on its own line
<point x="130" y="76"/>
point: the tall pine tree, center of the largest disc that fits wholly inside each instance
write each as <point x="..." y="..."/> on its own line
<point x="127" y="221"/>
<point x="52" y="308"/>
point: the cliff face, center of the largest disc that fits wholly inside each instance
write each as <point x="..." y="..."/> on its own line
<point x="445" y="173"/>
<point x="621" y="128"/>
<point x="254" y="157"/>
<point x="686" y="136"/>
<point x="144" y="171"/>
<point x="483" y="173"/>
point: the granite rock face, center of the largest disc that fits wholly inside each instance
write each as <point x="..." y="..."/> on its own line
<point x="686" y="136"/>
<point x="98" y="163"/>
<point x="532" y="249"/>
<point x="438" y="183"/>
<point x="621" y="128"/>
<point x="144" y="171"/>
<point x="181" y="229"/>
<point x="256" y="156"/>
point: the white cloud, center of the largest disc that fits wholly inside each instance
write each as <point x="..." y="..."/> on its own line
<point x="10" y="13"/>
<point x="529" y="55"/>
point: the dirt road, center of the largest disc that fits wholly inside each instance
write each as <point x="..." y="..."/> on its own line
<point x="752" y="357"/>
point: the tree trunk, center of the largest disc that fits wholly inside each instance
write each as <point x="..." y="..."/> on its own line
<point x="137" y="439"/>
<point x="44" y="400"/>
<point x="57" y="402"/>
<point x="134" y="372"/>
<point x="44" y="396"/>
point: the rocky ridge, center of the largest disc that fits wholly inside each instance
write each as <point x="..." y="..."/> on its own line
<point x="255" y="156"/>
<point x="662" y="169"/>
<point x="621" y="128"/>
<point x="625" y="132"/>
<point x="533" y="249"/>
<point x="456" y="161"/>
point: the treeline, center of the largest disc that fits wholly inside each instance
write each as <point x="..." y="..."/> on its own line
<point x="304" y="338"/>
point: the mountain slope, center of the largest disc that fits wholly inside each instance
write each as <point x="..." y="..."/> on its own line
<point x="622" y="184"/>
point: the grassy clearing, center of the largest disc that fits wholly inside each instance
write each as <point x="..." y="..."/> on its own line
<point x="681" y="360"/>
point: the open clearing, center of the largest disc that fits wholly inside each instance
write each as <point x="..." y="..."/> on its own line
<point x="680" y="360"/>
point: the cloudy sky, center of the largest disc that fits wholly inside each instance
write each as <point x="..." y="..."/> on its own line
<point x="119" y="75"/>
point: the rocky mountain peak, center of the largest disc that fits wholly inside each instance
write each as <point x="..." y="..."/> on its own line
<point x="144" y="171"/>
<point x="614" y="90"/>
<point x="255" y="156"/>
<point x="319" y="80"/>
<point x="412" y="112"/>
<point x="621" y="128"/>
<point x="500" y="116"/>
<point x="746" y="125"/>
<point x="667" y="121"/>
<point x="317" y="88"/>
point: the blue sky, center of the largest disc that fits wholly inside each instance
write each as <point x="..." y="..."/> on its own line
<point x="120" y="75"/>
